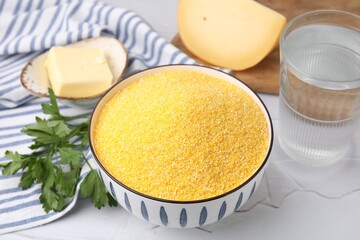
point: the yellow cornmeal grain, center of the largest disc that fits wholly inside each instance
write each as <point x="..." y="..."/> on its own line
<point x="181" y="135"/>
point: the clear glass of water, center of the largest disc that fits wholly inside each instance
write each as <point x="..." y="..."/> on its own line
<point x="319" y="107"/>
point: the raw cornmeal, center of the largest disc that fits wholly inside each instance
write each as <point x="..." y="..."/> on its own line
<point x="181" y="135"/>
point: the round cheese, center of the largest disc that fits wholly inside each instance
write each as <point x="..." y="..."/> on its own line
<point x="235" y="34"/>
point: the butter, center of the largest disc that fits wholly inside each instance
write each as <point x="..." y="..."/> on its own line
<point x="78" y="72"/>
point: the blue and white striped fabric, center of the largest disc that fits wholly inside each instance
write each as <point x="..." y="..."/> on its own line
<point x="29" y="27"/>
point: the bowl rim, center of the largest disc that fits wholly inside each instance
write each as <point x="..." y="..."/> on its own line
<point x="265" y="161"/>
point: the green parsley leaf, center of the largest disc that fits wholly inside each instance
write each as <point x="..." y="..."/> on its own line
<point x="71" y="156"/>
<point x="52" y="108"/>
<point x="53" y="138"/>
<point x="111" y="201"/>
<point x="52" y="200"/>
<point x="27" y="180"/>
<point x="59" y="128"/>
<point x="37" y="170"/>
<point x="93" y="187"/>
<point x="13" y="167"/>
<point x="49" y="178"/>
<point x="66" y="182"/>
<point x="42" y="132"/>
<point x="85" y="140"/>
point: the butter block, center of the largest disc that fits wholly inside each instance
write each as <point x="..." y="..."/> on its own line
<point x="235" y="34"/>
<point x="78" y="72"/>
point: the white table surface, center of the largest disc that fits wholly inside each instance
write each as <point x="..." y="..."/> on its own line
<point x="302" y="215"/>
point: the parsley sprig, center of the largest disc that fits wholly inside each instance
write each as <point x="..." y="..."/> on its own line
<point x="56" y="160"/>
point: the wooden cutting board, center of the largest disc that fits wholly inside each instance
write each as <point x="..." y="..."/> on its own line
<point x="264" y="77"/>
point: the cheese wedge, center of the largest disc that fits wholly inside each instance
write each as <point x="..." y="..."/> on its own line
<point x="78" y="72"/>
<point x="235" y="34"/>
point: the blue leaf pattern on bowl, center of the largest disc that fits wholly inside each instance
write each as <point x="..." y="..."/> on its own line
<point x="163" y="216"/>
<point x="183" y="218"/>
<point x="222" y="210"/>
<point x="203" y="216"/>
<point x="127" y="202"/>
<point x="252" y="190"/>
<point x="239" y="201"/>
<point x="144" y="211"/>
<point x="112" y="191"/>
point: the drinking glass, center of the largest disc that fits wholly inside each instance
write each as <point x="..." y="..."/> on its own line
<point x="319" y="102"/>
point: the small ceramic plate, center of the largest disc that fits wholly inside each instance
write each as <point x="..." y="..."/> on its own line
<point x="34" y="77"/>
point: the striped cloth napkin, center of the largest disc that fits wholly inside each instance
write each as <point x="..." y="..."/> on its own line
<point x="29" y="27"/>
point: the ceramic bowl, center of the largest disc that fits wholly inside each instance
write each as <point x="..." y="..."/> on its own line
<point x="180" y="214"/>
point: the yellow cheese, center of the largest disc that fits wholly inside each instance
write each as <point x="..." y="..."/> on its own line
<point x="235" y="34"/>
<point x="78" y="72"/>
